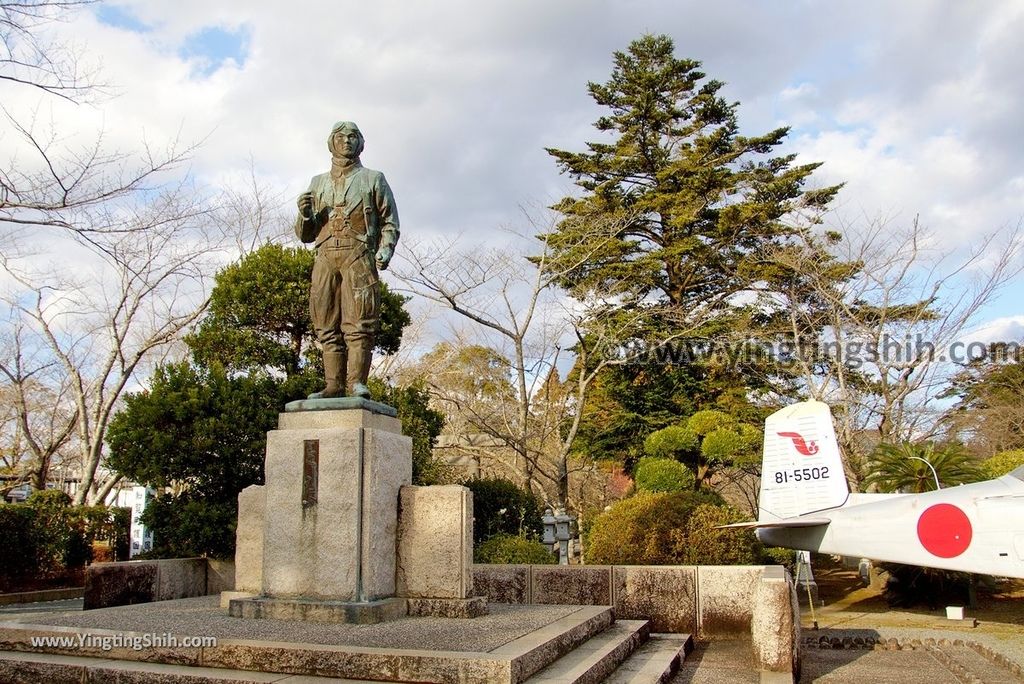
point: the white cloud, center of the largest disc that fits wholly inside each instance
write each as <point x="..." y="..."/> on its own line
<point x="1005" y="329"/>
<point x="798" y="92"/>
<point x="914" y="105"/>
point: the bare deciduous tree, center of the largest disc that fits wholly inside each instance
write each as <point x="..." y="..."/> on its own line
<point x="38" y="422"/>
<point x="517" y="309"/>
<point x="29" y="58"/>
<point x="104" y="308"/>
<point x="105" y="254"/>
<point x="875" y="341"/>
<point x="55" y="177"/>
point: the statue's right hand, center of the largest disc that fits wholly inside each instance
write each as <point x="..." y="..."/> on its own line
<point x="306" y="205"/>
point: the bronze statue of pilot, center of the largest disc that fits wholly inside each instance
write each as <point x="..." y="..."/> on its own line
<point x="349" y="214"/>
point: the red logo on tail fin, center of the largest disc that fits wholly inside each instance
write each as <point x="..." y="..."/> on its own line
<point x="805" y="448"/>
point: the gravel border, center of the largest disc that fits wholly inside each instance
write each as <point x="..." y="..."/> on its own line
<point x="1006" y="653"/>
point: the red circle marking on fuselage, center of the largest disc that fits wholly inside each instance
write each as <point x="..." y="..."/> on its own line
<point x="944" y="530"/>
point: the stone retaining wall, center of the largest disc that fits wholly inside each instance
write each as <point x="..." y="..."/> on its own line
<point x="128" y="582"/>
<point x="753" y="602"/>
<point x="708" y="601"/>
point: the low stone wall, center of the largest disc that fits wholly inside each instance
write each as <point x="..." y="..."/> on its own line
<point x="128" y="582"/>
<point x="220" y="576"/>
<point x="711" y="602"/>
<point x="753" y="602"/>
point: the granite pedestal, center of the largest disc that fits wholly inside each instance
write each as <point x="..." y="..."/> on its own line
<point x="329" y="510"/>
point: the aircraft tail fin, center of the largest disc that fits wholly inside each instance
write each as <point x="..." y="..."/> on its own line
<point x="802" y="470"/>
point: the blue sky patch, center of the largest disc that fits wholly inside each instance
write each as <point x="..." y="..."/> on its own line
<point x="214" y="45"/>
<point x="121" y="18"/>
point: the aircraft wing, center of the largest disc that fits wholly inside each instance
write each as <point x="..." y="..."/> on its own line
<point x="790" y="522"/>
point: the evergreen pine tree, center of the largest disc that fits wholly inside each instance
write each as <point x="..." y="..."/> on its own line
<point x="697" y="205"/>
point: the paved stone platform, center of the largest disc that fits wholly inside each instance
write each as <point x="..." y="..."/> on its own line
<point x="508" y="645"/>
<point x="203" y="616"/>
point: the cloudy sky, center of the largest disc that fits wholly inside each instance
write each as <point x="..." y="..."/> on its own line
<point x="916" y="105"/>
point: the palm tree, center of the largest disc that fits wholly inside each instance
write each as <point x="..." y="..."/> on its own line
<point x="904" y="467"/>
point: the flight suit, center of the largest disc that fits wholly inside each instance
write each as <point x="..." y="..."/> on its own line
<point x="352" y="217"/>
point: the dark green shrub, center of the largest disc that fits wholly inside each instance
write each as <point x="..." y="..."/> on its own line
<point x="185" y="527"/>
<point x="46" y="540"/>
<point x="776" y="555"/>
<point x="120" y="531"/>
<point x="77" y="549"/>
<point x="59" y="537"/>
<point x="509" y="549"/>
<point x="670" y="529"/>
<point x="19" y="545"/>
<point x="706" y="544"/>
<point x="500" y="507"/>
<point x="48" y="500"/>
<point x="653" y="474"/>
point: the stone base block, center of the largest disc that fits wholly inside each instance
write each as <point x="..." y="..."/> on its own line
<point x="226" y="597"/>
<point x="220" y="575"/>
<point x="310" y="610"/>
<point x="252" y="503"/>
<point x="331" y="503"/>
<point x="775" y="623"/>
<point x="435" y="542"/>
<point x="471" y="607"/>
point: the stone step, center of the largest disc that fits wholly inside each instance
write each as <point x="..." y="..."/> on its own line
<point x="26" y="668"/>
<point x="594" y="660"/>
<point x="655" y="662"/>
<point x="724" y="662"/>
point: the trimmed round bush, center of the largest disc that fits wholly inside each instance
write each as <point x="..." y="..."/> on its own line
<point x="651" y="529"/>
<point x="653" y="474"/>
<point x="751" y="437"/>
<point x="706" y="544"/>
<point x="721" y="445"/>
<point x="704" y="422"/>
<point x="776" y="555"/>
<point x="669" y="442"/>
<point x="511" y="549"/>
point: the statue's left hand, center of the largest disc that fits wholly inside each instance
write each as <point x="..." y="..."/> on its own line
<point x="384" y="255"/>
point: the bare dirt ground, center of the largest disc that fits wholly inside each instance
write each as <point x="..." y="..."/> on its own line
<point x="848" y="604"/>
<point x="922" y="645"/>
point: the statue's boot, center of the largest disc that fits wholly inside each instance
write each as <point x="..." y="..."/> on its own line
<point x="359" y="357"/>
<point x="334" y="374"/>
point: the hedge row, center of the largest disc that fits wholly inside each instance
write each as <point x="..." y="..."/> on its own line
<point x="46" y="537"/>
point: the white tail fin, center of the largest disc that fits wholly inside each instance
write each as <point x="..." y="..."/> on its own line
<point x="801" y="471"/>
